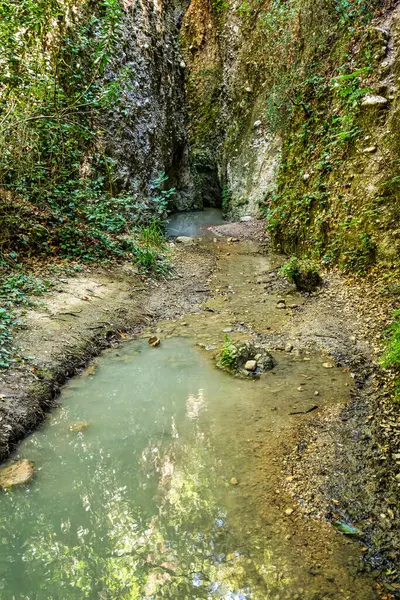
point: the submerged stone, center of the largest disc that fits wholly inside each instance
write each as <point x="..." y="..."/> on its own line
<point x="78" y="426"/>
<point x="17" y="474"/>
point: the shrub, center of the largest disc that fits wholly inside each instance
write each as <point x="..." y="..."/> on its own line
<point x="303" y="273"/>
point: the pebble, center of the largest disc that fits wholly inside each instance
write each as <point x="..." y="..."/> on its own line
<point x="289" y="511"/>
<point x="154" y="341"/>
<point x="234" y="481"/>
<point x="288" y="347"/>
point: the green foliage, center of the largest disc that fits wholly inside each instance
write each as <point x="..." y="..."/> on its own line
<point x="227" y="358"/>
<point x="57" y="191"/>
<point x="322" y="88"/>
<point x="7" y="322"/>
<point x="391" y="356"/>
<point x="152" y="235"/>
<point x="150" y="260"/>
<point x="220" y="5"/>
<point x="303" y="272"/>
<point x="359" y="257"/>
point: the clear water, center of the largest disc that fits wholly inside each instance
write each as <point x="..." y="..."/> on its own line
<point x="141" y="505"/>
<point x="194" y="223"/>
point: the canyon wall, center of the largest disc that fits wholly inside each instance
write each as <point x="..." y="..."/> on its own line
<point x="293" y="107"/>
<point x="145" y="126"/>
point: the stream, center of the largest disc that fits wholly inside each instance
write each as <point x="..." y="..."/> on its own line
<point x="155" y="477"/>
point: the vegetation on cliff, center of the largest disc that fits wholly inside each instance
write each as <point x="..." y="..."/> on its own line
<point x="313" y="87"/>
<point x="58" y="194"/>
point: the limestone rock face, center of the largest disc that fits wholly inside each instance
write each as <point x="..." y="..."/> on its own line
<point x="18" y="473"/>
<point x="229" y="139"/>
<point x="145" y="130"/>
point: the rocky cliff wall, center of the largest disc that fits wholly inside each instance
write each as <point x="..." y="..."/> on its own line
<point x="294" y="108"/>
<point x="226" y="91"/>
<point x="145" y="128"/>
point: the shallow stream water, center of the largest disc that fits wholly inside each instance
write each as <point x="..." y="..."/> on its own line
<point x="194" y="223"/>
<point x="171" y="491"/>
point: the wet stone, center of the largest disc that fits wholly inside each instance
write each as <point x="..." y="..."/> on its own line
<point x="154" y="341"/>
<point x="17" y="474"/>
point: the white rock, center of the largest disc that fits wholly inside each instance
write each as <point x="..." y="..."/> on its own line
<point x="256" y="124"/>
<point x="246" y="219"/>
<point x="374" y="101"/>
<point x="306" y="176"/>
<point x="370" y="150"/>
<point x="184" y="239"/>
<point x="251" y="365"/>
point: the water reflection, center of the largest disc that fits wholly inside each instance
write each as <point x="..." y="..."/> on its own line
<point x="139" y="504"/>
<point x="194" y="223"/>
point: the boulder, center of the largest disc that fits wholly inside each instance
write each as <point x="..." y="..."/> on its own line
<point x="18" y="473"/>
<point x="248" y="360"/>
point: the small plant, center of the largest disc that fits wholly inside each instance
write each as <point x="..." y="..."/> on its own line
<point x="150" y="260"/>
<point x="391" y="356"/>
<point x="227" y="358"/>
<point x="152" y="235"/>
<point x="303" y="273"/>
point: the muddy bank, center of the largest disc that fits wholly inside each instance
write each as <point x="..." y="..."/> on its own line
<point x="344" y="462"/>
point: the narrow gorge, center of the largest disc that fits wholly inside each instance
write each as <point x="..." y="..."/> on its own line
<point x="199" y="299"/>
